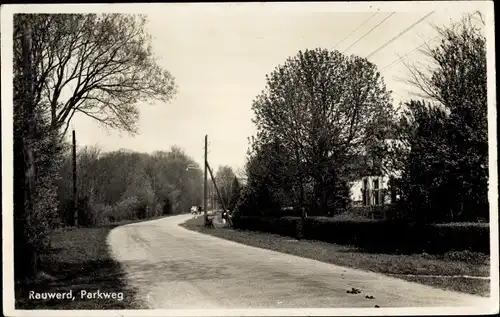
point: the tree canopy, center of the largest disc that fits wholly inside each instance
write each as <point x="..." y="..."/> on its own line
<point x="445" y="158"/>
<point x="320" y="108"/>
<point x="224" y="178"/>
<point x="119" y="184"/>
<point x="100" y="65"/>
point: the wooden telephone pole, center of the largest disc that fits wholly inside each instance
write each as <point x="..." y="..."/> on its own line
<point x="75" y="197"/>
<point x="216" y="188"/>
<point x="205" y="183"/>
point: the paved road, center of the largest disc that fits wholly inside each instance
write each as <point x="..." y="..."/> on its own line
<point x="175" y="268"/>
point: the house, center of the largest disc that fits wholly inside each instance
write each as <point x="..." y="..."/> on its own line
<point x="372" y="189"/>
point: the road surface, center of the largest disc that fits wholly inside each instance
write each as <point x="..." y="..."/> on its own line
<point x="174" y="268"/>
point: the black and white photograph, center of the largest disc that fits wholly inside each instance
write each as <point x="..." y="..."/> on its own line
<point x="249" y="159"/>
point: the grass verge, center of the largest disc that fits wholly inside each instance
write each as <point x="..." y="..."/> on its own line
<point x="78" y="260"/>
<point x="451" y="271"/>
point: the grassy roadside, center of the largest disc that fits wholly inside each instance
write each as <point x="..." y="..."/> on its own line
<point x="441" y="271"/>
<point x="79" y="259"/>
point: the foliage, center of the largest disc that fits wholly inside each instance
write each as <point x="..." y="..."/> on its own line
<point x="126" y="185"/>
<point x="103" y="63"/>
<point x="100" y="65"/>
<point x="130" y="207"/>
<point x="236" y="193"/>
<point x="86" y="214"/>
<point x="318" y="110"/>
<point x="253" y="200"/>
<point x="37" y="155"/>
<point x="445" y="153"/>
<point x="270" y="165"/>
<point x="43" y="216"/>
<point x="378" y="235"/>
<point x="224" y="178"/>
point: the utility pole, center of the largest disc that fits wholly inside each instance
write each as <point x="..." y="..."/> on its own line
<point x="214" y="201"/>
<point x="212" y="196"/>
<point x="205" y="181"/>
<point x="216" y="188"/>
<point x="75" y="199"/>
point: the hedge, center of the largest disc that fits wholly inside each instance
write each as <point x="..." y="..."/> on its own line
<point x="459" y="237"/>
<point x="381" y="236"/>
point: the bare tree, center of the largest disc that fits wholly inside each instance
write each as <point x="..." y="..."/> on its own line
<point x="466" y="33"/>
<point x="101" y="65"/>
<point x="324" y="108"/>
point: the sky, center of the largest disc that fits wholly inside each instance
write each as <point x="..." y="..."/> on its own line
<point x="219" y="56"/>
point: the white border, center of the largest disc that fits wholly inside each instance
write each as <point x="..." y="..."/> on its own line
<point x="7" y="11"/>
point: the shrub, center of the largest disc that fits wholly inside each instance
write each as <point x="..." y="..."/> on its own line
<point x="166" y="208"/>
<point x="282" y="212"/>
<point x="359" y="232"/>
<point x="459" y="237"/>
<point x="104" y="214"/>
<point x="285" y="226"/>
<point x="388" y="211"/>
<point x="86" y="214"/>
<point x="350" y="216"/>
<point x="87" y="217"/>
<point x="129" y="208"/>
<point x="31" y="225"/>
<point x="381" y="236"/>
<point x="255" y="201"/>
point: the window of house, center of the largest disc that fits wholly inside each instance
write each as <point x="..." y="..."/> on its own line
<point x="392" y="188"/>
<point x="365" y="192"/>
<point x="376" y="188"/>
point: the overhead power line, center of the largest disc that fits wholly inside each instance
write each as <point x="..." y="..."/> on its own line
<point x="409" y="53"/>
<point x="345" y="38"/>
<point x="399" y="35"/>
<point x="372" y="29"/>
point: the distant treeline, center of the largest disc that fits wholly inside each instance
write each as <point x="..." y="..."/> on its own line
<point x="127" y="185"/>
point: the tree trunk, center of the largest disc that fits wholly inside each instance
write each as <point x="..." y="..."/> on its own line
<point x="28" y="128"/>
<point x="301" y="183"/>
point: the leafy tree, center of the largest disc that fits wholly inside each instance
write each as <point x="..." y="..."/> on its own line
<point x="87" y="159"/>
<point x="272" y="166"/>
<point x="447" y="161"/>
<point x="235" y="193"/>
<point x="87" y="179"/>
<point x="426" y="171"/>
<point x="323" y="107"/>
<point x="36" y="158"/>
<point x="224" y="178"/>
